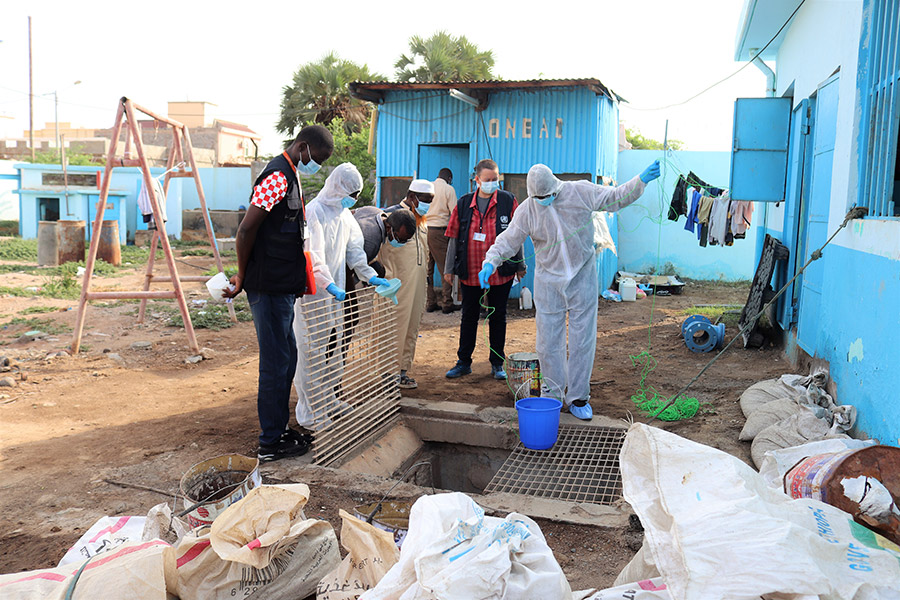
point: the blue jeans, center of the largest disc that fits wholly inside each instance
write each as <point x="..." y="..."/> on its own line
<point x="273" y="317"/>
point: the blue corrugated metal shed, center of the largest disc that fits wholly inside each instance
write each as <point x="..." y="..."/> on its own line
<point x="569" y="125"/>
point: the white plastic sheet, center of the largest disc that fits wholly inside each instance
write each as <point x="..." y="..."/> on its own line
<point x="715" y="530"/>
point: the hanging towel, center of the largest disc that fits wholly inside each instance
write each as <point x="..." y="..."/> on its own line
<point x="147" y="209"/>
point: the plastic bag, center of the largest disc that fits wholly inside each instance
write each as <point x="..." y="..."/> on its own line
<point x="715" y="530"/>
<point x="159" y="524"/>
<point x="259" y="547"/>
<point x="132" y="570"/>
<point x="104" y="535"/>
<point x="453" y="551"/>
<point x="371" y="552"/>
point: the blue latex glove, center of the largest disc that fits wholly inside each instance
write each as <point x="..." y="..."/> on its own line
<point x="651" y="172"/>
<point x="486" y="271"/>
<point x="336" y="292"/>
<point x="376" y="281"/>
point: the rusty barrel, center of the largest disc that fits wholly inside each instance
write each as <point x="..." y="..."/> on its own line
<point x="71" y="241"/>
<point x="48" y="245"/>
<point x="109" y="249"/>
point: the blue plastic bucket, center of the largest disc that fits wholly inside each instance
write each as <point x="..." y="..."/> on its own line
<point x="538" y="422"/>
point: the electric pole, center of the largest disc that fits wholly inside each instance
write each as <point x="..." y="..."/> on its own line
<point x="30" y="96"/>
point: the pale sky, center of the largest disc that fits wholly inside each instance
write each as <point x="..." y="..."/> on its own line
<point x="239" y="55"/>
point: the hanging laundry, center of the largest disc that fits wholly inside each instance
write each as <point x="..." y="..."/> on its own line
<point x="678" y="205"/>
<point x="718" y="220"/>
<point x="703" y="209"/>
<point x="743" y="213"/>
<point x="692" y="213"/>
<point x="146" y="207"/>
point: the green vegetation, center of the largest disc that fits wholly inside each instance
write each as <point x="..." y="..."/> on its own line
<point x="230" y="271"/>
<point x="443" y="57"/>
<point x="9" y="228"/>
<point x="211" y="316"/>
<point x="18" y="249"/>
<point x="639" y="142"/>
<point x="74" y="157"/>
<point x="36" y="310"/>
<point x="319" y="93"/>
<point x="725" y="313"/>
<point x="197" y="252"/>
<point x="48" y="326"/>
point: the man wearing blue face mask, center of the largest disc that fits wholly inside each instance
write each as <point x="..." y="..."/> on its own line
<point x="408" y="263"/>
<point x="272" y="269"/>
<point x="557" y="216"/>
<point x="474" y="224"/>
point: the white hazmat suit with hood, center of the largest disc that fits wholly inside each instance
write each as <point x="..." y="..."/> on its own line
<point x="335" y="240"/>
<point x="565" y="276"/>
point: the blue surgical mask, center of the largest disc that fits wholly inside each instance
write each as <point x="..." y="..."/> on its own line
<point x="394" y="242"/>
<point x="545" y="201"/>
<point x="422" y="208"/>
<point x="348" y="202"/>
<point x="309" y="168"/>
<point x="489" y="187"/>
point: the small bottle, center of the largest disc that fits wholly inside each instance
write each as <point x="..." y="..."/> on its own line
<point x="525" y="299"/>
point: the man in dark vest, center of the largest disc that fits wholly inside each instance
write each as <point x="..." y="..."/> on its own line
<point x="474" y="224"/>
<point x="272" y="270"/>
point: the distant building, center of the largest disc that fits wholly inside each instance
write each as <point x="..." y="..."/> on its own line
<point x="216" y="143"/>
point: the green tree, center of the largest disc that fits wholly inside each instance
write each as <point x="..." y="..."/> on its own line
<point x="639" y="142"/>
<point x="319" y="93"/>
<point x="74" y="157"/>
<point x="443" y="57"/>
<point x="349" y="146"/>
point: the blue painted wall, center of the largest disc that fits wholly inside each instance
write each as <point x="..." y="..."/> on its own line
<point x="641" y="237"/>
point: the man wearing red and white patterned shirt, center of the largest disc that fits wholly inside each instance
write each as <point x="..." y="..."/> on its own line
<point x="474" y="225"/>
<point x="272" y="269"/>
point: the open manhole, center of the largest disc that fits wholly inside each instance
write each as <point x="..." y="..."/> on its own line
<point x="583" y="466"/>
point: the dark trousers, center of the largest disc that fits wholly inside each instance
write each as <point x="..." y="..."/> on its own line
<point x="437" y="256"/>
<point x="497" y="297"/>
<point x="273" y="317"/>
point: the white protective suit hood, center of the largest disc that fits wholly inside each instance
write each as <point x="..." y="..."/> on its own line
<point x="343" y="181"/>
<point x="541" y="181"/>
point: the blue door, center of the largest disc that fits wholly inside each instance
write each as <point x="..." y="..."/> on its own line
<point x="824" y="126"/>
<point x="793" y="200"/>
<point x="433" y="158"/>
<point x="759" y="154"/>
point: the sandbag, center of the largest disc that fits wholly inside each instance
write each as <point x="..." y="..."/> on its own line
<point x="640" y="567"/>
<point x="454" y="552"/>
<point x="371" y="552"/>
<point x="801" y="428"/>
<point x="763" y="392"/>
<point x="769" y="414"/>
<point x="259" y="547"/>
<point x="106" y="534"/>
<point x="646" y="589"/>
<point x="160" y="524"/>
<point x="715" y="530"/>
<point x="129" y="571"/>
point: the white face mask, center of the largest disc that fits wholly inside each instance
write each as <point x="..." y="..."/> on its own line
<point x="489" y="187"/>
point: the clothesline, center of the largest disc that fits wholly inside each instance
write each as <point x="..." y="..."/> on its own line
<point x="710" y="212"/>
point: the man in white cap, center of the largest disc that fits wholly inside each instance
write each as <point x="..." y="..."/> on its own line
<point x="408" y="263"/>
<point x="557" y="216"/>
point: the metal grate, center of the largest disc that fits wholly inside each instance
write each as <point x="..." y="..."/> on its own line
<point x="583" y="466"/>
<point x="350" y="356"/>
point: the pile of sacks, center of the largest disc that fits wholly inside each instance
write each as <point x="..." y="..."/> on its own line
<point x="790" y="411"/>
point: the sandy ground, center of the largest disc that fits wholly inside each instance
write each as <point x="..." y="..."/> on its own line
<point x="74" y="423"/>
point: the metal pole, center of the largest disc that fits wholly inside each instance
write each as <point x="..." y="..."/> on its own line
<point x="56" y="120"/>
<point x="30" y="96"/>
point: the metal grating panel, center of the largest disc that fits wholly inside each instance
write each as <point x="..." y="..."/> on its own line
<point x="583" y="466"/>
<point x="351" y="358"/>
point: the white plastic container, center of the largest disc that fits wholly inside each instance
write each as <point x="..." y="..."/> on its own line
<point x="628" y="289"/>
<point x="217" y="284"/>
<point x="525" y="301"/>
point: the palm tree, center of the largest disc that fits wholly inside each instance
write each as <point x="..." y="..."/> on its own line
<point x="319" y="93"/>
<point x="443" y="57"/>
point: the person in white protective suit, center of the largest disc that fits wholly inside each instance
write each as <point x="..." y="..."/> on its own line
<point x="336" y="241"/>
<point x="557" y="216"/>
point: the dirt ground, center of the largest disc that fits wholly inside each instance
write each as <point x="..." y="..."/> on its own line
<point x="137" y="413"/>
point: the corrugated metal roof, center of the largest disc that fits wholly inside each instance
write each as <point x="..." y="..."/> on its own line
<point x="371" y="90"/>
